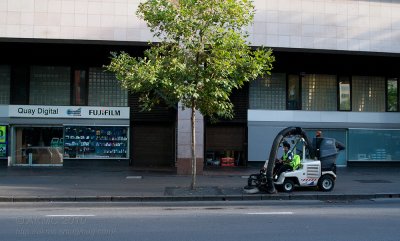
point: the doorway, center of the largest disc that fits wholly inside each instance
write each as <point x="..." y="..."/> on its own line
<point x="38" y="146"/>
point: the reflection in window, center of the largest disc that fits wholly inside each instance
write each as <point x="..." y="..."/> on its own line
<point x="319" y="92"/>
<point x="374" y="145"/>
<point x="4" y="84"/>
<point x="368" y="94"/>
<point x="392" y="95"/>
<point x="268" y="93"/>
<point x="344" y="93"/>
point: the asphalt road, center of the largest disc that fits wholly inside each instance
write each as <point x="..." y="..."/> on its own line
<point x="274" y="220"/>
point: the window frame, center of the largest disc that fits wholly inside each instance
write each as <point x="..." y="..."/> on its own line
<point x="349" y="77"/>
<point x="299" y="100"/>
<point x="73" y="86"/>
<point x="387" y="94"/>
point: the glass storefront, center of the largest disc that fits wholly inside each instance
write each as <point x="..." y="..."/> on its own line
<point x="35" y="146"/>
<point x="3" y="141"/>
<point x="374" y="145"/>
<point x="51" y="145"/>
<point x="96" y="142"/>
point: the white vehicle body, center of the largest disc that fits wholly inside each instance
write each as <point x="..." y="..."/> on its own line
<point x="317" y="164"/>
<point x="308" y="175"/>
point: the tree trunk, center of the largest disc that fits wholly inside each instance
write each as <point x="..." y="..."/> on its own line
<point x="193" y="122"/>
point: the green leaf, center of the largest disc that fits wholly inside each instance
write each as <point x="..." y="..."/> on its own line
<point x="203" y="55"/>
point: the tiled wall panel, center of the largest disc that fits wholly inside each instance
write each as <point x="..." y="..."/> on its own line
<point x="362" y="25"/>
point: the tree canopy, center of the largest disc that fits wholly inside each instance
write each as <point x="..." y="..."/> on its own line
<point x="202" y="55"/>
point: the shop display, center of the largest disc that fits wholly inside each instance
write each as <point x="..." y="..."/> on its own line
<point x="95" y="142"/>
<point x="3" y="141"/>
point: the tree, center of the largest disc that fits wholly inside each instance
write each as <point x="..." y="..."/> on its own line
<point x="201" y="57"/>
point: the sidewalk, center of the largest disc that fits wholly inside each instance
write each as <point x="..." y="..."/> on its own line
<point x="128" y="184"/>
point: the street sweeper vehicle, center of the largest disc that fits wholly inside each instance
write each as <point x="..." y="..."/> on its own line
<point x="311" y="164"/>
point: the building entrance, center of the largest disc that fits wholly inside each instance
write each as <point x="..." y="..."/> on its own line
<point x="41" y="146"/>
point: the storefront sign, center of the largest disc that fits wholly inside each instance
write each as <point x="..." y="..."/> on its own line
<point x="83" y="112"/>
<point x="3" y="110"/>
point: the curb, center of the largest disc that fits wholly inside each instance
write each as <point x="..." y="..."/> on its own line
<point x="244" y="197"/>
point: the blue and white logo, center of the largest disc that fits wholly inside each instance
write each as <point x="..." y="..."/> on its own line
<point x="72" y="112"/>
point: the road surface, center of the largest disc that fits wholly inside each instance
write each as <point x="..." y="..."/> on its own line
<point x="274" y="220"/>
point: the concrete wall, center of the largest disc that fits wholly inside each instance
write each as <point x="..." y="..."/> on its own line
<point x="364" y="25"/>
<point x="72" y="19"/>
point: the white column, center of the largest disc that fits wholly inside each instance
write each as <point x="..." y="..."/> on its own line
<point x="184" y="139"/>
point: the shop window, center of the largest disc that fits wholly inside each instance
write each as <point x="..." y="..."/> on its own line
<point x="4" y="84"/>
<point x="95" y="142"/>
<point x="368" y="94"/>
<point x="318" y="92"/>
<point x="293" y="93"/>
<point x="374" y="145"/>
<point x="79" y="88"/>
<point x="3" y="141"/>
<point x="344" y="89"/>
<point x="105" y="89"/>
<point x="38" y="146"/>
<point x="392" y="95"/>
<point x="49" y="85"/>
<point x="268" y="93"/>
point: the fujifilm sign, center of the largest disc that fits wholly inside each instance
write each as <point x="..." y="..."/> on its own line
<point x="105" y="112"/>
<point x="81" y="112"/>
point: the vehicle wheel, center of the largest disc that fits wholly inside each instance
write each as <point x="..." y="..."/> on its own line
<point x="326" y="183"/>
<point x="288" y="185"/>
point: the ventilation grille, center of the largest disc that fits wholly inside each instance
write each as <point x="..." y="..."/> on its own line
<point x="313" y="171"/>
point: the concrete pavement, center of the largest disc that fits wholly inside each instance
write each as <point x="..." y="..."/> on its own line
<point x="19" y="184"/>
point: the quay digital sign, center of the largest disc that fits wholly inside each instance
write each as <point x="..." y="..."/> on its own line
<point x="84" y="112"/>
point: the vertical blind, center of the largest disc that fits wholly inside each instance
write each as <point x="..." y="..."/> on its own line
<point x="319" y="92"/>
<point x="368" y="93"/>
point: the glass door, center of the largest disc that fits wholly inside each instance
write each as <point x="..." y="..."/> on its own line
<point x="38" y="146"/>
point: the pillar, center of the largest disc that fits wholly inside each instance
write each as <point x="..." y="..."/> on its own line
<point x="184" y="139"/>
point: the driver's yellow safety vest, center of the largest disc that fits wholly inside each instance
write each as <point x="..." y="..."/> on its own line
<point x="295" y="163"/>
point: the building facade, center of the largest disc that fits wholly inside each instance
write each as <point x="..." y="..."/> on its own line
<point x="336" y="69"/>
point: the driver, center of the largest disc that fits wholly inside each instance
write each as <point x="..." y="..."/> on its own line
<point x="283" y="163"/>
